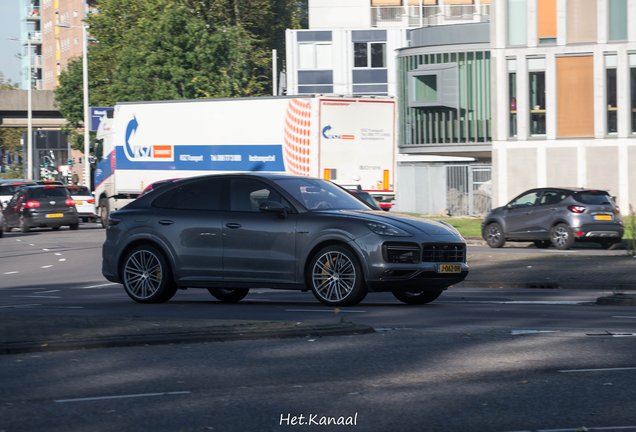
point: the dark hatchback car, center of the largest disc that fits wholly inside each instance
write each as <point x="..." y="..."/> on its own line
<point x="40" y="206"/>
<point x="229" y="233"/>
<point x="559" y="216"/>
<point x="366" y="198"/>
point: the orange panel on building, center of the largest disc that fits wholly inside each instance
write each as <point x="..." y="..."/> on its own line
<point x="546" y="20"/>
<point x="575" y="96"/>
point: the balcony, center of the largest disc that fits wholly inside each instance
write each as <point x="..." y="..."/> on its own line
<point x="35" y="37"/>
<point x="33" y="11"/>
<point x="414" y="16"/>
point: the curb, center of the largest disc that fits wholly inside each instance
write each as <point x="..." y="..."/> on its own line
<point x="616" y="301"/>
<point x="178" y="338"/>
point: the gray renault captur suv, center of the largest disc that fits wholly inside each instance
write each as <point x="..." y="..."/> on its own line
<point x="559" y="216"/>
<point x="229" y="233"/>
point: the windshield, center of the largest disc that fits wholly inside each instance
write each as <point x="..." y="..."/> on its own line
<point x="79" y="191"/>
<point x="320" y="194"/>
<point x="592" y="197"/>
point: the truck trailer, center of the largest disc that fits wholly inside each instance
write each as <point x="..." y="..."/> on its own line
<point x="348" y="140"/>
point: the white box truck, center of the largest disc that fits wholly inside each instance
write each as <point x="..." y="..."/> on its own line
<point x="348" y="140"/>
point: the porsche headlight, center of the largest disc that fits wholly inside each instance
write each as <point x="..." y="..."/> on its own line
<point x="386" y="229"/>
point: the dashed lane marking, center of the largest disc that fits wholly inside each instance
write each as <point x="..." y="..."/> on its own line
<point x="20" y="306"/>
<point x="121" y="397"/>
<point x="46" y="292"/>
<point x="597" y="370"/>
<point x="13" y="272"/>
<point x="324" y="310"/>
<point x="47" y="266"/>
<point x="97" y="286"/>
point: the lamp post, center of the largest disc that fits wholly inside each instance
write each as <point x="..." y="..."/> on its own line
<point x="29" y="174"/>
<point x="87" y="140"/>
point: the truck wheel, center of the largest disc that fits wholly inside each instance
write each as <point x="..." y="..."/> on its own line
<point x="103" y="211"/>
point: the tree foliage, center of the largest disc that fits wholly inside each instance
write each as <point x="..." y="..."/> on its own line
<point x="178" y="49"/>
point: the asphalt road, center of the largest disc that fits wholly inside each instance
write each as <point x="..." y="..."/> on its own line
<point x="474" y="360"/>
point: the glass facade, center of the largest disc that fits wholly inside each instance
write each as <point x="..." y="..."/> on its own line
<point x="537" y="103"/>
<point x="517" y="22"/>
<point x="469" y="123"/>
<point x="512" y="96"/>
<point x="366" y="54"/>
<point x="611" y="101"/>
<point x="617" y="19"/>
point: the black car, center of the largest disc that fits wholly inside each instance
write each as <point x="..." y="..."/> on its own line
<point x="40" y="206"/>
<point x="229" y="233"/>
<point x="559" y="216"/>
<point x="366" y="198"/>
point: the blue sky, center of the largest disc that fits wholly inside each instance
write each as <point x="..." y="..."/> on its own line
<point x="10" y="26"/>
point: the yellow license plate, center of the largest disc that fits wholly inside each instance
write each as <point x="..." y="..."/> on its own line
<point x="79" y="202"/>
<point x="54" y="215"/>
<point x="603" y="217"/>
<point x="449" y="268"/>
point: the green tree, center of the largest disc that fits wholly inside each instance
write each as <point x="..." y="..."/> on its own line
<point x="177" y="49"/>
<point x="10" y="137"/>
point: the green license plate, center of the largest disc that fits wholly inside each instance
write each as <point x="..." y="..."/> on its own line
<point x="449" y="268"/>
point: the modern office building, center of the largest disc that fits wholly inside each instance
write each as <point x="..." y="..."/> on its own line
<point x="367" y="47"/>
<point x="564" y="96"/>
<point x="350" y="46"/>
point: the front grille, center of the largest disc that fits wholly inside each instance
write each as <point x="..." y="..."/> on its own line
<point x="443" y="252"/>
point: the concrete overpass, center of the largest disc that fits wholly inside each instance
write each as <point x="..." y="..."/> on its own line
<point x="14" y="109"/>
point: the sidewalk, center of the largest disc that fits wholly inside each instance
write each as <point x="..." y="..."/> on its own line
<point x="566" y="271"/>
<point x="38" y="333"/>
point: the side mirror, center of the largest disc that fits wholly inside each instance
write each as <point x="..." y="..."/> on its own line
<point x="273" y="207"/>
<point x="508" y="206"/>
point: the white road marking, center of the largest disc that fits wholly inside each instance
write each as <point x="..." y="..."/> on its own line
<point x="11" y="272"/>
<point x="58" y="254"/>
<point x="521" y="332"/>
<point x="46" y="292"/>
<point x="597" y="370"/>
<point x="47" y="266"/>
<point x="18" y="240"/>
<point x="324" y="310"/>
<point x="20" y="306"/>
<point x="541" y="302"/>
<point x="591" y="429"/>
<point x="45" y="249"/>
<point x="31" y="244"/>
<point x="97" y="286"/>
<point x="62" y="259"/>
<point x="121" y="397"/>
<point x="33" y="296"/>
<point x="613" y="316"/>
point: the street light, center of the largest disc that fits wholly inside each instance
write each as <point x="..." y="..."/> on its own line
<point x="87" y="176"/>
<point x="29" y="173"/>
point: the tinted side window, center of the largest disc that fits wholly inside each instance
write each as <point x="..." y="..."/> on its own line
<point x="202" y="195"/>
<point x="552" y="197"/>
<point x="248" y="195"/>
<point x="527" y="200"/>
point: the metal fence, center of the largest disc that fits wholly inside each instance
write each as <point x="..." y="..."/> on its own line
<point x="468" y="189"/>
<point x="454" y="190"/>
<point x="428" y="15"/>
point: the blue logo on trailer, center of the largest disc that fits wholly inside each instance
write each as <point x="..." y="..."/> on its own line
<point x="134" y="152"/>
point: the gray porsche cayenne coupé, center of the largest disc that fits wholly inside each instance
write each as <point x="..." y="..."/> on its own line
<point x="229" y="233"/>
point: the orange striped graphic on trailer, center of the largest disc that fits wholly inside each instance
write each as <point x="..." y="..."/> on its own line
<point x="386" y="180"/>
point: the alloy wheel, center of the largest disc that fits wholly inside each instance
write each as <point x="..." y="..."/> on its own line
<point x="333" y="276"/>
<point x="560" y="236"/>
<point x="143" y="274"/>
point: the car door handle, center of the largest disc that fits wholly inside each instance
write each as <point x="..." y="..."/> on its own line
<point x="233" y="225"/>
<point x="166" y="222"/>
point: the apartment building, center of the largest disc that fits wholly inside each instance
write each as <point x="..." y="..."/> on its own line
<point x="564" y="96"/>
